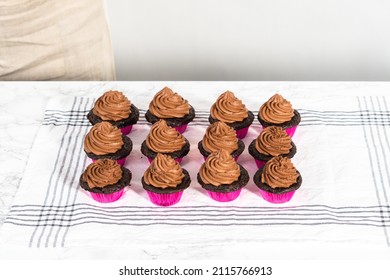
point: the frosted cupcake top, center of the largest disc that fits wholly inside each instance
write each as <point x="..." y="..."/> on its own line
<point x="228" y="108"/>
<point x="164" y="172"/>
<point x="274" y="141"/>
<point x="219" y="168"/>
<point x="279" y="172"/>
<point x="103" y="138"/>
<point x="112" y="106"/>
<point x="169" y="104"/>
<point x="102" y="173"/>
<point x="276" y="110"/>
<point x="164" y="139"/>
<point x="220" y="136"/>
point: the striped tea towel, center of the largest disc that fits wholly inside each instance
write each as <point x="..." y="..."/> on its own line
<point x="343" y="152"/>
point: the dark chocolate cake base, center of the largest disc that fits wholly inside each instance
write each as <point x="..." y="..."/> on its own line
<point x="267" y="188"/>
<point x="123" y="182"/>
<point x="132" y="119"/>
<point x="259" y="156"/>
<point x="182" y="186"/>
<point x="237" y="125"/>
<point x="123" y="152"/>
<point x="240" y="149"/>
<point x="296" y="119"/>
<point x="176" y="154"/>
<point x="225" y="188"/>
<point x="173" y="122"/>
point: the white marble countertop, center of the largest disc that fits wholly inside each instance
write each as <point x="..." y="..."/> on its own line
<point x="22" y="107"/>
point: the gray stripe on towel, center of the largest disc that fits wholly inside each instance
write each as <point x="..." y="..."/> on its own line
<point x="373" y="169"/>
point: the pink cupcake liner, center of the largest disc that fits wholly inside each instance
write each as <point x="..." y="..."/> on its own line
<point x="290" y="131"/>
<point x="224" y="197"/>
<point x="181" y="128"/>
<point x="120" y="161"/>
<point x="107" y="198"/>
<point x="126" y="130"/>
<point x="277" y="198"/>
<point x="260" y="163"/>
<point x="178" y="160"/>
<point x="241" y="133"/>
<point x="235" y="158"/>
<point x="164" y="199"/>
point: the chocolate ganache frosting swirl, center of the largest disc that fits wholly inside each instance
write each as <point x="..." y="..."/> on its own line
<point x="220" y="136"/>
<point x="219" y="168"/>
<point x="113" y="106"/>
<point x="228" y="108"/>
<point x="102" y="173"/>
<point x="169" y="104"/>
<point x="274" y="141"/>
<point x="164" y="172"/>
<point x="276" y="110"/>
<point x="164" y="139"/>
<point x="279" y="172"/>
<point x="103" y="138"/>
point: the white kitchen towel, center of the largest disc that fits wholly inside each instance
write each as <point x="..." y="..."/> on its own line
<point x="343" y="152"/>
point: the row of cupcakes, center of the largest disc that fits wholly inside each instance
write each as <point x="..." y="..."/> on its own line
<point x="276" y="177"/>
<point x="162" y="138"/>
<point x="106" y="143"/>
<point x="165" y="180"/>
<point x="112" y="117"/>
<point x="114" y="107"/>
<point x="165" y="146"/>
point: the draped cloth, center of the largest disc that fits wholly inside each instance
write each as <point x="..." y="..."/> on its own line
<point x="55" y="40"/>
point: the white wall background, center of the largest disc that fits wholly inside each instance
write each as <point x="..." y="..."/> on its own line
<point x="251" y="39"/>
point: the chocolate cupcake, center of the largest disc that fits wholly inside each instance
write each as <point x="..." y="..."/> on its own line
<point x="106" y="141"/>
<point x="278" y="180"/>
<point x="222" y="177"/>
<point x="277" y="111"/>
<point x="273" y="141"/>
<point x="230" y="110"/>
<point x="115" y="108"/>
<point x="172" y="108"/>
<point x="220" y="136"/>
<point x="105" y="180"/>
<point x="166" y="140"/>
<point x="165" y="181"/>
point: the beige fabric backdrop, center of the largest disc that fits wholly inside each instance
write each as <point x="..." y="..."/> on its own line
<point x="55" y="40"/>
